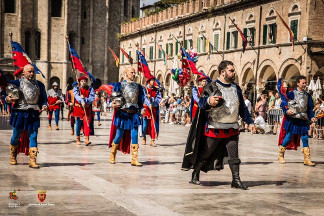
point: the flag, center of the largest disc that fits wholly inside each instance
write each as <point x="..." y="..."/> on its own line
<point x="165" y="57"/>
<point x="291" y="33"/>
<point x="76" y="61"/>
<point x="142" y="65"/>
<point x="244" y="40"/>
<point x="20" y="57"/>
<point x="115" y="56"/>
<point x="130" y="59"/>
<point x="188" y="63"/>
<point x="92" y="78"/>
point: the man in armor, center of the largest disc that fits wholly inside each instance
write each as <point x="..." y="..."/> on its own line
<point x="83" y="98"/>
<point x="297" y="106"/>
<point x="55" y="98"/>
<point x="151" y="107"/>
<point x="196" y="93"/>
<point x="127" y="101"/>
<point x="215" y="130"/>
<point x="28" y="97"/>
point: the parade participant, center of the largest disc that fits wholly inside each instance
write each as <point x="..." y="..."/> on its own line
<point x="96" y="106"/>
<point x="151" y="105"/>
<point x="196" y="93"/>
<point x="215" y="130"/>
<point x="69" y="101"/>
<point x="124" y="127"/>
<point x="83" y="98"/>
<point x="31" y="98"/>
<point x="55" y="98"/>
<point x="297" y="106"/>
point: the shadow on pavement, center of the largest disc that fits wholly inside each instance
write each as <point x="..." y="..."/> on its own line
<point x="65" y="164"/>
<point x="154" y="163"/>
<point x="248" y="183"/>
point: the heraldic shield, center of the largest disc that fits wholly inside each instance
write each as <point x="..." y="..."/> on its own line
<point x="42" y="195"/>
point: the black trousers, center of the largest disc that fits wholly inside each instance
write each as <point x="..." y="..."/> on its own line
<point x="212" y="144"/>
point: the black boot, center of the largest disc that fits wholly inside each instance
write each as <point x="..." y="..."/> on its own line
<point x="196" y="172"/>
<point x="234" y="165"/>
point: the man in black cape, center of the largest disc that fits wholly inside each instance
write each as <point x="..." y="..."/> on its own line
<point x="215" y="131"/>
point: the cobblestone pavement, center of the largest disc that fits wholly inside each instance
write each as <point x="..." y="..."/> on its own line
<point x="80" y="181"/>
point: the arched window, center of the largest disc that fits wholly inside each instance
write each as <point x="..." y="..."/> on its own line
<point x="10" y="6"/>
<point x="38" y="45"/>
<point x="56" y="8"/>
<point x="27" y="42"/>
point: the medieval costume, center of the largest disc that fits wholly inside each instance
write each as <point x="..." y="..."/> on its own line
<point x="196" y="93"/>
<point x="151" y="106"/>
<point x="69" y="101"/>
<point x="296" y="126"/>
<point x="96" y="106"/>
<point x="215" y="131"/>
<point x="83" y="114"/>
<point x="124" y="128"/>
<point x="32" y="97"/>
<point x="55" y="98"/>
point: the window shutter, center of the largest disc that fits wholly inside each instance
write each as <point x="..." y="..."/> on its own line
<point x="228" y="40"/>
<point x="123" y="58"/>
<point x="167" y="48"/>
<point x="275" y="33"/>
<point x="265" y="34"/>
<point x="176" y="47"/>
<point x="143" y="51"/>
<point x="171" y="48"/>
<point x="203" y="44"/>
<point x="253" y="35"/>
<point x="216" y="39"/>
<point x="151" y="52"/>
<point x="245" y="32"/>
<point x="186" y="44"/>
<point x="160" y="54"/>
<point x="198" y="45"/>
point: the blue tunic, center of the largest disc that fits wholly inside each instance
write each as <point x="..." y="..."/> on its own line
<point x="125" y="120"/>
<point x="28" y="119"/>
<point x="294" y="125"/>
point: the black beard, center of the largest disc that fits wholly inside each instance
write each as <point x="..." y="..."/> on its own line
<point x="229" y="79"/>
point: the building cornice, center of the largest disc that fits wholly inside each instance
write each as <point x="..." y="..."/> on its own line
<point x="196" y="16"/>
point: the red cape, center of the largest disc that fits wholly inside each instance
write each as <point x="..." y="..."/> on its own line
<point x="294" y="143"/>
<point x="124" y="145"/>
<point x="23" y="145"/>
<point x="150" y="130"/>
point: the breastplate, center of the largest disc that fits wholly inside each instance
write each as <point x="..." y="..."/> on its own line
<point x="299" y="105"/>
<point x="28" y="95"/>
<point x="225" y="116"/>
<point x="130" y="92"/>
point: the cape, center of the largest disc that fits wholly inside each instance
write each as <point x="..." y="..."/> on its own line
<point x="295" y="141"/>
<point x="195" y="141"/>
<point x="124" y="145"/>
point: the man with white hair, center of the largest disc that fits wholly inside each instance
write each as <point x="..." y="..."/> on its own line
<point x="55" y="99"/>
<point x="28" y="96"/>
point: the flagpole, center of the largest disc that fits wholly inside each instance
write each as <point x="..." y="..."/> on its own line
<point x="76" y="77"/>
<point x="10" y="35"/>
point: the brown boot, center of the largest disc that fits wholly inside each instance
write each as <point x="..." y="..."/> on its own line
<point x="57" y="127"/>
<point x="144" y="141"/>
<point x="13" y="154"/>
<point x="153" y="143"/>
<point x="281" y="154"/>
<point x="78" y="140"/>
<point x="87" y="141"/>
<point x="72" y="131"/>
<point x="134" y="149"/>
<point x="49" y="127"/>
<point x="99" y="124"/>
<point x="32" y="157"/>
<point x="113" y="153"/>
<point x="307" y="160"/>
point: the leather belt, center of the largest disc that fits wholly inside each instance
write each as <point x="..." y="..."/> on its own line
<point x="129" y="111"/>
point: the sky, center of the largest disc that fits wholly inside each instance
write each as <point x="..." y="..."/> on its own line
<point x="148" y="2"/>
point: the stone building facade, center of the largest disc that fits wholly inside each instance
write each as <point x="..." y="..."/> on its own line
<point x="41" y="27"/>
<point x="269" y="54"/>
